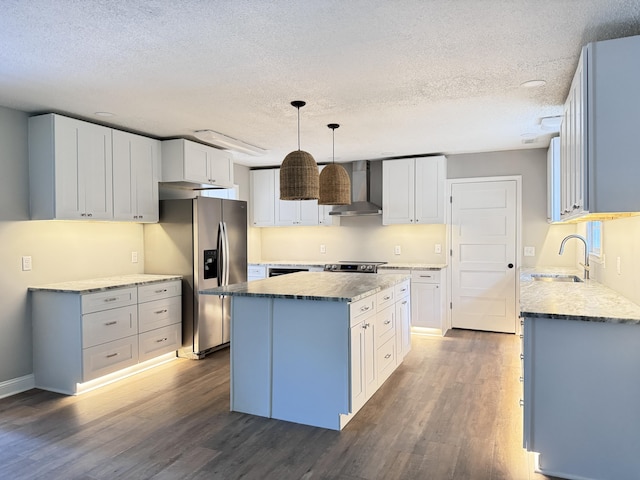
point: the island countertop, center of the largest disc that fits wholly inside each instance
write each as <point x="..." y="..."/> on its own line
<point x="326" y="286"/>
<point x="587" y="301"/>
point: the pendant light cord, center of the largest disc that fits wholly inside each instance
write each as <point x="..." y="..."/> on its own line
<point x="298" y="127"/>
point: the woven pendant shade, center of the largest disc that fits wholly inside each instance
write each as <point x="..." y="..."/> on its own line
<point x="335" y="186"/>
<point x="299" y="178"/>
<point x="299" y="171"/>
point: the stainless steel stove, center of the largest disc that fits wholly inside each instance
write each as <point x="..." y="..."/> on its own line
<point x="356" y="267"/>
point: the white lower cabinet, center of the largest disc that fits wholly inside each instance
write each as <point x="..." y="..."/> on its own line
<point x="80" y="337"/>
<point x="427" y="302"/>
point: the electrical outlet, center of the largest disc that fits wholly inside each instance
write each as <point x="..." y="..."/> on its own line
<point x="397" y="250"/>
<point x="438" y="248"/>
<point x="323" y="249"/>
<point x="26" y="263"/>
<point x="134" y="257"/>
<point x="529" y="251"/>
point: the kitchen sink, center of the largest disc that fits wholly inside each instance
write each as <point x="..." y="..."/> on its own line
<point x="556" y="278"/>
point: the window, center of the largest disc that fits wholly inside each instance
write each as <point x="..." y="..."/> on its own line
<point x="594" y="237"/>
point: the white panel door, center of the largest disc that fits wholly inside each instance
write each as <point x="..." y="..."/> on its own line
<point x="483" y="240"/>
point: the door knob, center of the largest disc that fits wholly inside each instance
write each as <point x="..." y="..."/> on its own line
<point x="510" y="265"/>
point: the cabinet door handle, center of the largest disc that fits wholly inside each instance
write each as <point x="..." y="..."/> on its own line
<point x="89" y="214"/>
<point x="404" y="303"/>
<point x="387" y="322"/>
<point x="403" y="289"/>
<point x="161" y="311"/>
<point x="521" y="403"/>
<point x="111" y="355"/>
<point x="522" y="356"/>
<point x="388" y="355"/>
<point x="110" y="323"/>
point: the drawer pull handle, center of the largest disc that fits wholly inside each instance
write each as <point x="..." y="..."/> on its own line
<point x="522" y="356"/>
<point x="365" y="308"/>
<point x="403" y="289"/>
<point x="108" y="324"/>
<point x="112" y="299"/>
<point x="161" y="311"/>
<point x="388" y="355"/>
<point x="387" y="322"/>
<point x="425" y="276"/>
<point x="365" y="325"/>
<point x="387" y="297"/>
<point x="162" y="340"/>
<point x="161" y="291"/>
<point x="111" y="355"/>
<point x="404" y="303"/>
<point x="521" y="379"/>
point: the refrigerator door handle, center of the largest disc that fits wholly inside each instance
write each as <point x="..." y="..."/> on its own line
<point x="226" y="258"/>
<point x="221" y="255"/>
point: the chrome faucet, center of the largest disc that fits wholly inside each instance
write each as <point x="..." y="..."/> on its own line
<point x="585" y="265"/>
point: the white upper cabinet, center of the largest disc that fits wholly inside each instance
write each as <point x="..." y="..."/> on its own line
<point x="293" y="212"/>
<point x="262" y="197"/>
<point x="136" y="168"/>
<point x="70" y="169"/>
<point x="413" y="190"/>
<point x="598" y="137"/>
<point x="187" y="161"/>
<point x="553" y="180"/>
<point x="267" y="210"/>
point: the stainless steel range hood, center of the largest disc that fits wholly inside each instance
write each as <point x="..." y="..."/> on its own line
<point x="360" y="203"/>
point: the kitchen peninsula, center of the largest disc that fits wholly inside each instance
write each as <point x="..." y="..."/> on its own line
<point x="311" y="347"/>
<point x="581" y="388"/>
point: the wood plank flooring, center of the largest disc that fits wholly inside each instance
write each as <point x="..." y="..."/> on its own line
<point x="450" y="411"/>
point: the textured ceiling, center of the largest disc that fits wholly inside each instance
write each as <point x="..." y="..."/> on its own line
<point x="401" y="77"/>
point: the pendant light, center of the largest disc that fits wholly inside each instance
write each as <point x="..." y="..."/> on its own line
<point x="335" y="186"/>
<point x="299" y="172"/>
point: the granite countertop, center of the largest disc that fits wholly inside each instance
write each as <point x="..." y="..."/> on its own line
<point x="327" y="286"/>
<point x="412" y="266"/>
<point x="105" y="283"/>
<point x="588" y="301"/>
<point x="388" y="266"/>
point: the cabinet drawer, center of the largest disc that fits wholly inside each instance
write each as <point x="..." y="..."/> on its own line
<point x="118" y="297"/>
<point x="402" y="289"/>
<point x="160" y="341"/>
<point x="159" y="313"/>
<point x="386" y="360"/>
<point x="109" y="325"/>
<point x="385" y="297"/>
<point x="109" y="357"/>
<point x="363" y="307"/>
<point x="425" y="276"/>
<point x="385" y="321"/>
<point x="156" y="291"/>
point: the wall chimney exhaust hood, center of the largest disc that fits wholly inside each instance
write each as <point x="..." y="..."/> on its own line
<point x="360" y="204"/>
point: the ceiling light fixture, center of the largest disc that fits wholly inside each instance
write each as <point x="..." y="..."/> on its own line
<point x="335" y="185"/>
<point x="533" y="83"/>
<point x="228" y="143"/>
<point x="299" y="179"/>
<point x="551" y="124"/>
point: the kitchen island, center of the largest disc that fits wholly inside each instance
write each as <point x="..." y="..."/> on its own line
<point x="581" y="382"/>
<point x="312" y="348"/>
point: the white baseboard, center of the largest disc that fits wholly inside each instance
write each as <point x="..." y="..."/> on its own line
<point x="17" y="385"/>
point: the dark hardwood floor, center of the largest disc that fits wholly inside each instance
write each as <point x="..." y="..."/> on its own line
<point x="450" y="411"/>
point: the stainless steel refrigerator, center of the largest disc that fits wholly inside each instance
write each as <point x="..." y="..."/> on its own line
<point x="204" y="240"/>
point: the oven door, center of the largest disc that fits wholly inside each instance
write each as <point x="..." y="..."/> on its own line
<point x="277" y="271"/>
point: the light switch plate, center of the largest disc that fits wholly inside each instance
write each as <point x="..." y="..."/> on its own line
<point x="437" y="248"/>
<point x="26" y="263"/>
<point x="134" y="257"/>
<point x="397" y="250"/>
<point x="323" y="249"/>
<point x="529" y="251"/>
